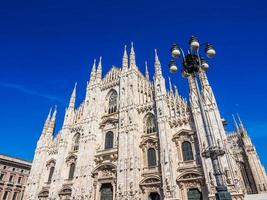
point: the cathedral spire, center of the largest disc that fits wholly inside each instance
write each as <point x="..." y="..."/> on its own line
<point x="236" y="125"/>
<point x="176" y="93"/>
<point x="241" y="126"/>
<point x="170" y="86"/>
<point x="125" y="58"/>
<point x="132" y="57"/>
<point x="47" y="121"/>
<point x="99" y="69"/>
<point x="52" y="123"/>
<point x="147" y="73"/>
<point x="157" y="65"/>
<point x="93" y="72"/>
<point x="73" y="97"/>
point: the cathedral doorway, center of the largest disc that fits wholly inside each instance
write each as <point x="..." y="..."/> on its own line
<point x="106" y="192"/>
<point x="194" y="194"/>
<point x="154" y="196"/>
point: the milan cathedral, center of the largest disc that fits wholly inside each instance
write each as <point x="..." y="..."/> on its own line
<point x="132" y="139"/>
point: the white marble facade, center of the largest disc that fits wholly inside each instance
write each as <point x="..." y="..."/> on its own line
<point x="131" y="138"/>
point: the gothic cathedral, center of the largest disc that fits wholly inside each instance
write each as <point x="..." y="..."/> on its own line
<point x="132" y="139"/>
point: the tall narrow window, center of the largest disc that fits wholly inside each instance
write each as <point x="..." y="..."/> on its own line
<point x="5" y="197"/>
<point x="112" y="103"/>
<point x="187" y="151"/>
<point x="151" y="157"/>
<point x="109" y="140"/>
<point x="11" y="178"/>
<point x="19" y="180"/>
<point x="150" y="125"/>
<point x="76" y="141"/>
<point x="51" y="172"/>
<point x="1" y="177"/>
<point x="72" y="169"/>
<point x="15" y="196"/>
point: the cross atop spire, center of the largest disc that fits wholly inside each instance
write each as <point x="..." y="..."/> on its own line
<point x="99" y="69"/>
<point x="157" y="64"/>
<point x="132" y="57"/>
<point x="147" y="73"/>
<point x="125" y="58"/>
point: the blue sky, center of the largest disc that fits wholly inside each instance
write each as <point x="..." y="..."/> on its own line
<point x="46" y="46"/>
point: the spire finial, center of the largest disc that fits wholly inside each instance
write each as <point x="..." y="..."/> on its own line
<point x="147" y="73"/>
<point x="125" y="58"/>
<point x="158" y="71"/>
<point x="99" y="69"/>
<point x="236" y="125"/>
<point x="132" y="57"/>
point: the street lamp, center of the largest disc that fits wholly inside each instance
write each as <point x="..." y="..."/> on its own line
<point x="192" y="64"/>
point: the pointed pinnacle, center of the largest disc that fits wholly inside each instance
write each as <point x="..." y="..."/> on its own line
<point x="54" y="114"/>
<point x="147" y="73"/>
<point x="176" y="91"/>
<point x="156" y="56"/>
<point x="236" y="125"/>
<point x="240" y="122"/>
<point x="49" y="115"/>
<point x="125" y="51"/>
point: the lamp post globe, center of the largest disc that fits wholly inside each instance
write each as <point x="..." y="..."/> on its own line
<point x="175" y="51"/>
<point x="210" y="51"/>
<point x="194" y="43"/>
<point x="173" y="67"/>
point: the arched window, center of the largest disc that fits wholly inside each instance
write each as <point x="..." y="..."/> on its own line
<point x="76" y="141"/>
<point x="109" y="140"/>
<point x="194" y="194"/>
<point x="150" y="125"/>
<point x="72" y="169"/>
<point x="112" y="103"/>
<point x="51" y="172"/>
<point x="187" y="151"/>
<point x="151" y="157"/>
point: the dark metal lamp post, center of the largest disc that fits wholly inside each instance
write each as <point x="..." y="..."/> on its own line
<point x="192" y="63"/>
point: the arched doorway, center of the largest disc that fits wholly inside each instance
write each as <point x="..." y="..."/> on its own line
<point x="194" y="194"/>
<point x="106" y="192"/>
<point x="154" y="196"/>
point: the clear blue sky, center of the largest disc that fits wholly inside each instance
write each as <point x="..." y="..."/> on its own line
<point x="46" y="46"/>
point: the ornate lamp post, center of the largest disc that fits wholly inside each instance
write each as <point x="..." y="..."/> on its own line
<point x="193" y="63"/>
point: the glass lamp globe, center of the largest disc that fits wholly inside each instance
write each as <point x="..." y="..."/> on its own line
<point x="194" y="44"/>
<point x="175" y="51"/>
<point x="173" y="67"/>
<point x="204" y="65"/>
<point x="210" y="51"/>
